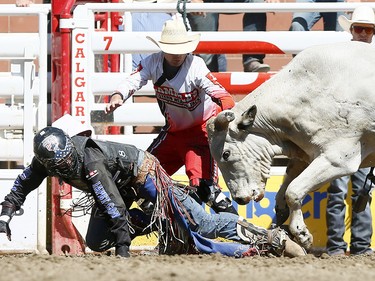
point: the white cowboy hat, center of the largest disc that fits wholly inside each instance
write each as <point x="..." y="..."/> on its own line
<point x="361" y="14"/>
<point x="175" y="39"/>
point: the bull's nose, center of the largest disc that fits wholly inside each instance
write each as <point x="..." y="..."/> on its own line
<point x="243" y="200"/>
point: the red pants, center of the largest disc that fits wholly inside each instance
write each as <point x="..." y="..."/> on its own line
<point x="187" y="147"/>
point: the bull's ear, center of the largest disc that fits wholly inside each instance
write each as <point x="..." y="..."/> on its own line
<point x="247" y="118"/>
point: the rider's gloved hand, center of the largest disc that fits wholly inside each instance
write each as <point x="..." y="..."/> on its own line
<point x="7" y="212"/>
<point x="4" y="228"/>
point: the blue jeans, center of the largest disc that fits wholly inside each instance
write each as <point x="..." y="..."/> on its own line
<point x="250" y="22"/>
<point x="211" y="226"/>
<point x="361" y="223"/>
<point x="99" y="237"/>
<point x="210" y="22"/>
<point x="305" y="21"/>
<point x="253" y="22"/>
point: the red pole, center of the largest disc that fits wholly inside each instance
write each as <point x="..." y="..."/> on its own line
<point x="61" y="57"/>
<point x="65" y="238"/>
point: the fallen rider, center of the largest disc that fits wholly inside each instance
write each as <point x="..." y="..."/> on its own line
<point x="116" y="175"/>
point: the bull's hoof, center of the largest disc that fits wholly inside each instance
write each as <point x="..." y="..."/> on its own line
<point x="307" y="244"/>
<point x="305" y="240"/>
<point x="281" y="216"/>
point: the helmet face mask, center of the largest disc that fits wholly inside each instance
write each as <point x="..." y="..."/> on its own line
<point x="56" y="152"/>
<point x="63" y="167"/>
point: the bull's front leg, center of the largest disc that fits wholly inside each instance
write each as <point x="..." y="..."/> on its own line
<point x="297" y="224"/>
<point x="294" y="169"/>
<point x="320" y="171"/>
<point x="299" y="229"/>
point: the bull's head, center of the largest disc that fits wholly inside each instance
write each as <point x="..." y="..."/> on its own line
<point x="237" y="153"/>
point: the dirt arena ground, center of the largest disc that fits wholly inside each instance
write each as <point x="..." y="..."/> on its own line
<point x="185" y="268"/>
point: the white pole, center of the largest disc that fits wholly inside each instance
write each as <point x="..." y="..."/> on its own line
<point x="41" y="123"/>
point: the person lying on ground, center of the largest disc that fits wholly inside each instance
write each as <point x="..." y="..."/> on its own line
<point x="116" y="175"/>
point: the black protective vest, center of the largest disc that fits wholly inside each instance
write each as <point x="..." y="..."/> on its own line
<point x="123" y="159"/>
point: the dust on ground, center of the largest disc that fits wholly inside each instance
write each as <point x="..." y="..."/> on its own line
<point x="214" y="267"/>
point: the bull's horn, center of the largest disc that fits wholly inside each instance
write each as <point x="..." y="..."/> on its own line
<point x="223" y="119"/>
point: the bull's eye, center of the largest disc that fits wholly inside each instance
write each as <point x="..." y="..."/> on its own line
<point x="226" y="155"/>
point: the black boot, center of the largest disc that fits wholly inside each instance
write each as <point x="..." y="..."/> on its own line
<point x="209" y="193"/>
<point x="274" y="242"/>
<point x="122" y="251"/>
<point x="221" y="203"/>
<point x="139" y="223"/>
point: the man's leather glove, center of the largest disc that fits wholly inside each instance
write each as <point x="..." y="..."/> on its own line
<point x="4" y="228"/>
<point x="7" y="212"/>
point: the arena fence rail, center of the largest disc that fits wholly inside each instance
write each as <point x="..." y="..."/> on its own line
<point x="23" y="110"/>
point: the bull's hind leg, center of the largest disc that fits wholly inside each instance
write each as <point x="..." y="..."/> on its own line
<point x="295" y="167"/>
<point x="319" y="172"/>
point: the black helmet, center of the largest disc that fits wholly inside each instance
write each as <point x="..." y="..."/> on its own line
<point x="55" y="150"/>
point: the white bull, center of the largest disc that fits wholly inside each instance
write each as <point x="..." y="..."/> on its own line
<point x="319" y="111"/>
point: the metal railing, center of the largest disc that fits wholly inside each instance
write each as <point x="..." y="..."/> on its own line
<point x="127" y="42"/>
<point x="23" y="110"/>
